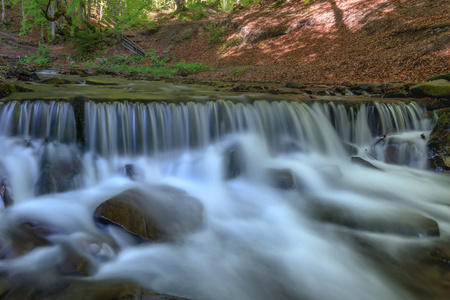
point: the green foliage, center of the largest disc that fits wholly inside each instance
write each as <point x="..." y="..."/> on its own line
<point x="195" y="11"/>
<point x="41" y="59"/>
<point x="308" y="2"/>
<point x="33" y="13"/>
<point x="238" y="71"/>
<point x="87" y="41"/>
<point x="150" y="64"/>
<point x="230" y="43"/>
<point x="193" y="68"/>
<point x="216" y="33"/>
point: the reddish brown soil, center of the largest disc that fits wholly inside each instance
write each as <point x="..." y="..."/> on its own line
<point x="327" y="41"/>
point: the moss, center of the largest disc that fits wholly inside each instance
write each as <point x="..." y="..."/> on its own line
<point x="438" y="88"/>
<point x="9" y="88"/>
<point x="56" y="80"/>
<point x="440" y="76"/>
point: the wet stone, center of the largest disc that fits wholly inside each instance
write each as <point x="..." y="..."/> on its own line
<point x="282" y="178"/>
<point x="155" y="212"/>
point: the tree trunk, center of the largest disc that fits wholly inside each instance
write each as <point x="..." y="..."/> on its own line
<point x="52" y="14"/>
<point x="180" y="5"/>
<point x="101" y="10"/>
<point x="3" y="11"/>
<point x="23" y="14"/>
<point x="42" y="31"/>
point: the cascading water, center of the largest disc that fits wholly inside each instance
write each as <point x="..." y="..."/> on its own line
<point x="336" y="230"/>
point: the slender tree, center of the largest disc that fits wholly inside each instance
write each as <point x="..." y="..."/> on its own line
<point x="3" y="11"/>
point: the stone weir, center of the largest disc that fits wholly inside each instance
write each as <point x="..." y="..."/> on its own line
<point x="391" y="132"/>
<point x="117" y="116"/>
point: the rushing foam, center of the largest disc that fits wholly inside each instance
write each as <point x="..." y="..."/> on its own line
<point x="257" y="240"/>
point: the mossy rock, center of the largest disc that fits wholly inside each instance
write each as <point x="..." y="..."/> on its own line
<point x="439" y="143"/>
<point x="437" y="89"/>
<point x="440" y="76"/>
<point x="3" y="61"/>
<point x="57" y="80"/>
<point x="7" y="88"/>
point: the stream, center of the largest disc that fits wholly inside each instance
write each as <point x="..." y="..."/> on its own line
<point x="257" y="198"/>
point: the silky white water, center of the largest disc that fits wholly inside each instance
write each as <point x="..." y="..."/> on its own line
<point x="256" y="240"/>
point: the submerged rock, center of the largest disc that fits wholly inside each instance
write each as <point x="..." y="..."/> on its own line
<point x="155" y="213"/>
<point x="233" y="161"/>
<point x="5" y="189"/>
<point x="392" y="222"/>
<point x="439" y="143"/>
<point x="60" y="170"/>
<point x="282" y="178"/>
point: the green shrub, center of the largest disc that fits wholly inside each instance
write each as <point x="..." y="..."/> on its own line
<point x="151" y="63"/>
<point x="216" y="33"/>
<point x="41" y="59"/>
<point x="238" y="71"/>
<point x="87" y="42"/>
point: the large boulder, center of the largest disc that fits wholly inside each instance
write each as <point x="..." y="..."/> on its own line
<point x="156" y="212"/>
<point x="23" y="73"/>
<point x="437" y="89"/>
<point x="439" y="143"/>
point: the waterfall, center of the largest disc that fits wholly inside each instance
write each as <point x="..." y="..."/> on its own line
<point x="38" y="120"/>
<point x="259" y="200"/>
<point x="132" y="129"/>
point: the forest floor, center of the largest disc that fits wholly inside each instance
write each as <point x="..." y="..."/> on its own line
<point x="329" y="41"/>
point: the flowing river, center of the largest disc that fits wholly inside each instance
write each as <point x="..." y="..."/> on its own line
<point x="262" y="200"/>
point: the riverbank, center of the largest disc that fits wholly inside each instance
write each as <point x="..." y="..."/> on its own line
<point x="326" y="42"/>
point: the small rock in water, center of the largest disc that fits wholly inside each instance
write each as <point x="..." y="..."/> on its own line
<point x="282" y="178"/>
<point x="233" y="162"/>
<point x="132" y="172"/>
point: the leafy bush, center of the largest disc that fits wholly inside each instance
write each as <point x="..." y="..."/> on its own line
<point x="151" y="63"/>
<point x="87" y="42"/>
<point x="238" y="71"/>
<point x="41" y="59"/>
<point x="216" y="33"/>
<point x="195" y="11"/>
<point x="193" y="68"/>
